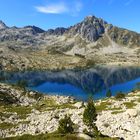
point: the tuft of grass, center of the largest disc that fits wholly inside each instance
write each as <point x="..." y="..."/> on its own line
<point x="103" y="106"/>
<point x="119" y="108"/>
<point x="45" y="137"/>
<point x="5" y="125"/>
<point x="22" y="111"/>
<point x="130" y="105"/>
<point x="138" y="100"/>
<point x="50" y="104"/>
<point x="106" y="138"/>
<point x="117" y="112"/>
<point x="53" y="136"/>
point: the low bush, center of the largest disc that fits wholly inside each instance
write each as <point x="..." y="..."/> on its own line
<point x="120" y="95"/>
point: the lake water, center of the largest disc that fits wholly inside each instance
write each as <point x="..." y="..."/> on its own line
<point x="70" y="90"/>
<point x="80" y="83"/>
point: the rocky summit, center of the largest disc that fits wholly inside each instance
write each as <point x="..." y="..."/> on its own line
<point x="92" y="41"/>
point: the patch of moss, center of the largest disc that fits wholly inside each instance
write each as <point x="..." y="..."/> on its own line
<point x="6" y="115"/>
<point x="42" y="105"/>
<point x="103" y="106"/>
<point x="22" y="111"/>
<point x="130" y="105"/>
<point x="45" y="137"/>
<point x="106" y="138"/>
<point x="50" y="104"/>
<point x="5" y="125"/>
<point x="65" y="106"/>
<point x="138" y="100"/>
<point x="117" y="112"/>
<point x="24" y="122"/>
<point x="53" y="136"/>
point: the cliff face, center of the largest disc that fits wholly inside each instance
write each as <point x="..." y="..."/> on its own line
<point x="91" y="28"/>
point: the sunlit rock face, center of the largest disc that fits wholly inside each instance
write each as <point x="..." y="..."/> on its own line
<point x="91" y="28"/>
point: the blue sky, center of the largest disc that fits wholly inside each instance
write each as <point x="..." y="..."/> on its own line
<point x="63" y="13"/>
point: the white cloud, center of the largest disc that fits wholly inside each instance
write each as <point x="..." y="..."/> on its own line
<point x="53" y="8"/>
<point x="72" y="8"/>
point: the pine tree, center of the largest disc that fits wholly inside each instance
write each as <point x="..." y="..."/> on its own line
<point x="109" y="93"/>
<point x="65" y="125"/>
<point x="89" y="118"/>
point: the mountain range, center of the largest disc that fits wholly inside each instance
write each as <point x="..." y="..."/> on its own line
<point x="92" y="41"/>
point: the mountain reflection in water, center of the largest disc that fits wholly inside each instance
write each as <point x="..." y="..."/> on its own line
<point x="79" y="83"/>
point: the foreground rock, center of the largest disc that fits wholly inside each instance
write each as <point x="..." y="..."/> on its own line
<point x="34" y="113"/>
<point x="123" y="120"/>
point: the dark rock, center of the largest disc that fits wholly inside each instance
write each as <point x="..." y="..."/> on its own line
<point x="57" y="31"/>
<point x="34" y="29"/>
<point x="91" y="28"/>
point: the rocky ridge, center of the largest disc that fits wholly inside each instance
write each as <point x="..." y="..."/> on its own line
<point x="91" y="39"/>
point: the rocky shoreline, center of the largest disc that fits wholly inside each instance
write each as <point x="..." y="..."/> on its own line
<point x="27" y="112"/>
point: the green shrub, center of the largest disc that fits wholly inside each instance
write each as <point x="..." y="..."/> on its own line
<point x="65" y="125"/>
<point x="120" y="95"/>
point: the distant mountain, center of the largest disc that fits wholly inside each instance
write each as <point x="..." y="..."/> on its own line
<point x="90" y="29"/>
<point x="34" y="29"/>
<point x="93" y="38"/>
<point x="2" y="25"/>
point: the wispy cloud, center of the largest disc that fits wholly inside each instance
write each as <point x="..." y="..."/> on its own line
<point x="61" y="7"/>
<point x="53" y="8"/>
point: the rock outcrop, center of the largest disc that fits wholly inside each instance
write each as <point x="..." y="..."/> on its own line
<point x="91" y="28"/>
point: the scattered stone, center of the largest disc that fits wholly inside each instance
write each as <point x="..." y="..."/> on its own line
<point x="84" y="136"/>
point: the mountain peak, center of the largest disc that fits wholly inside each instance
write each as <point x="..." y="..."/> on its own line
<point x="34" y="29"/>
<point x="90" y="17"/>
<point x="91" y="28"/>
<point x="2" y="25"/>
